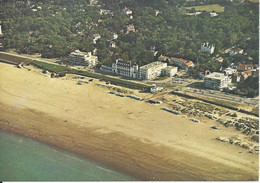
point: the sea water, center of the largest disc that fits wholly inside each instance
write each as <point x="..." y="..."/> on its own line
<point x="24" y="159"/>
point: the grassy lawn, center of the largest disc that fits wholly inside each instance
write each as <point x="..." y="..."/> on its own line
<point x="116" y="81"/>
<point x="209" y="8"/>
<point x="160" y="78"/>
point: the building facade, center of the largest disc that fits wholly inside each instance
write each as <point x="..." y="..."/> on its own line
<point x="184" y="64"/>
<point x="125" y="68"/>
<point x="216" y="81"/>
<point x="245" y="67"/>
<point x="169" y="71"/>
<point x="82" y="58"/>
<point x="152" y="70"/>
<point x="208" y="48"/>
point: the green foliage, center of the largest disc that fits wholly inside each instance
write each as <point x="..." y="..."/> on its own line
<point x="64" y="70"/>
<point x="53" y="30"/>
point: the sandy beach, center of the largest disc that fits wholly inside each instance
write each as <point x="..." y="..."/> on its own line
<point x="128" y="135"/>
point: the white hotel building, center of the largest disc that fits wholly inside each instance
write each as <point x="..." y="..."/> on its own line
<point x="82" y="58"/>
<point x="152" y="70"/>
<point x="217" y="81"/>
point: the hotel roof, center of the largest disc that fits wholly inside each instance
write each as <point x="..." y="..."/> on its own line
<point x="153" y="64"/>
<point x="216" y="75"/>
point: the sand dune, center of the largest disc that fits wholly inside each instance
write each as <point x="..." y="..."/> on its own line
<point x="128" y="135"/>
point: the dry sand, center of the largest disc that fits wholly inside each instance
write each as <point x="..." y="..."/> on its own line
<point x="131" y="136"/>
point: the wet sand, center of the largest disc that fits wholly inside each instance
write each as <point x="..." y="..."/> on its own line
<point x="128" y="135"/>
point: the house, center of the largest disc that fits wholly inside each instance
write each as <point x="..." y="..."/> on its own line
<point x="114" y="35"/>
<point x="219" y="59"/>
<point x="234" y="51"/>
<point x="217" y="81"/>
<point x="184" y="64"/>
<point x="208" y="48"/>
<point x="93" y="2"/>
<point x="130" y="28"/>
<point x="95" y="37"/>
<point x="169" y="71"/>
<point x="213" y="14"/>
<point x="245" y="67"/>
<point x="246" y="74"/>
<point x="82" y="58"/>
<point x="229" y="71"/>
<point x="157" y="12"/>
<point x="152" y="70"/>
<point x="193" y="14"/>
<point x="105" y="12"/>
<point x="163" y="58"/>
<point x="112" y="44"/>
<point x="127" y="11"/>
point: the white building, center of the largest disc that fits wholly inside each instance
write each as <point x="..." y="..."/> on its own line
<point x="213" y="14"/>
<point x="122" y="68"/>
<point x="229" y="71"/>
<point x="217" y="81"/>
<point x="106" y="68"/>
<point x="125" y="68"/>
<point x="206" y="47"/>
<point x="127" y="11"/>
<point x="1" y="30"/>
<point x="95" y="38"/>
<point x="152" y="70"/>
<point x="169" y="71"/>
<point x="114" y="35"/>
<point x="82" y="58"/>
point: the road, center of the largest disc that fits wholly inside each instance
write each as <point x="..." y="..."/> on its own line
<point x="187" y="85"/>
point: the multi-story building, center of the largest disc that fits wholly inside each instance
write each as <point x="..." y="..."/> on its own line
<point x="125" y="68"/>
<point x="217" y="81"/>
<point x="206" y="47"/>
<point x="82" y="58"/>
<point x="106" y="68"/>
<point x="122" y="68"/>
<point x="229" y="71"/>
<point x="169" y="71"/>
<point x="245" y="67"/>
<point x="184" y="64"/>
<point x="152" y="70"/>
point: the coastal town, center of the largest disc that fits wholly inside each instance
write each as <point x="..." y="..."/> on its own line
<point x="121" y="81"/>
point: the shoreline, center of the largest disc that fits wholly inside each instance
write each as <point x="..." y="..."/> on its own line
<point x="141" y="141"/>
<point x="128" y="150"/>
<point x="65" y="152"/>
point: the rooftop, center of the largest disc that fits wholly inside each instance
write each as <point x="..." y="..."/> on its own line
<point x="169" y="68"/>
<point x="246" y="65"/>
<point x="216" y="75"/>
<point x="163" y="57"/>
<point x="186" y="62"/>
<point x="153" y="64"/>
